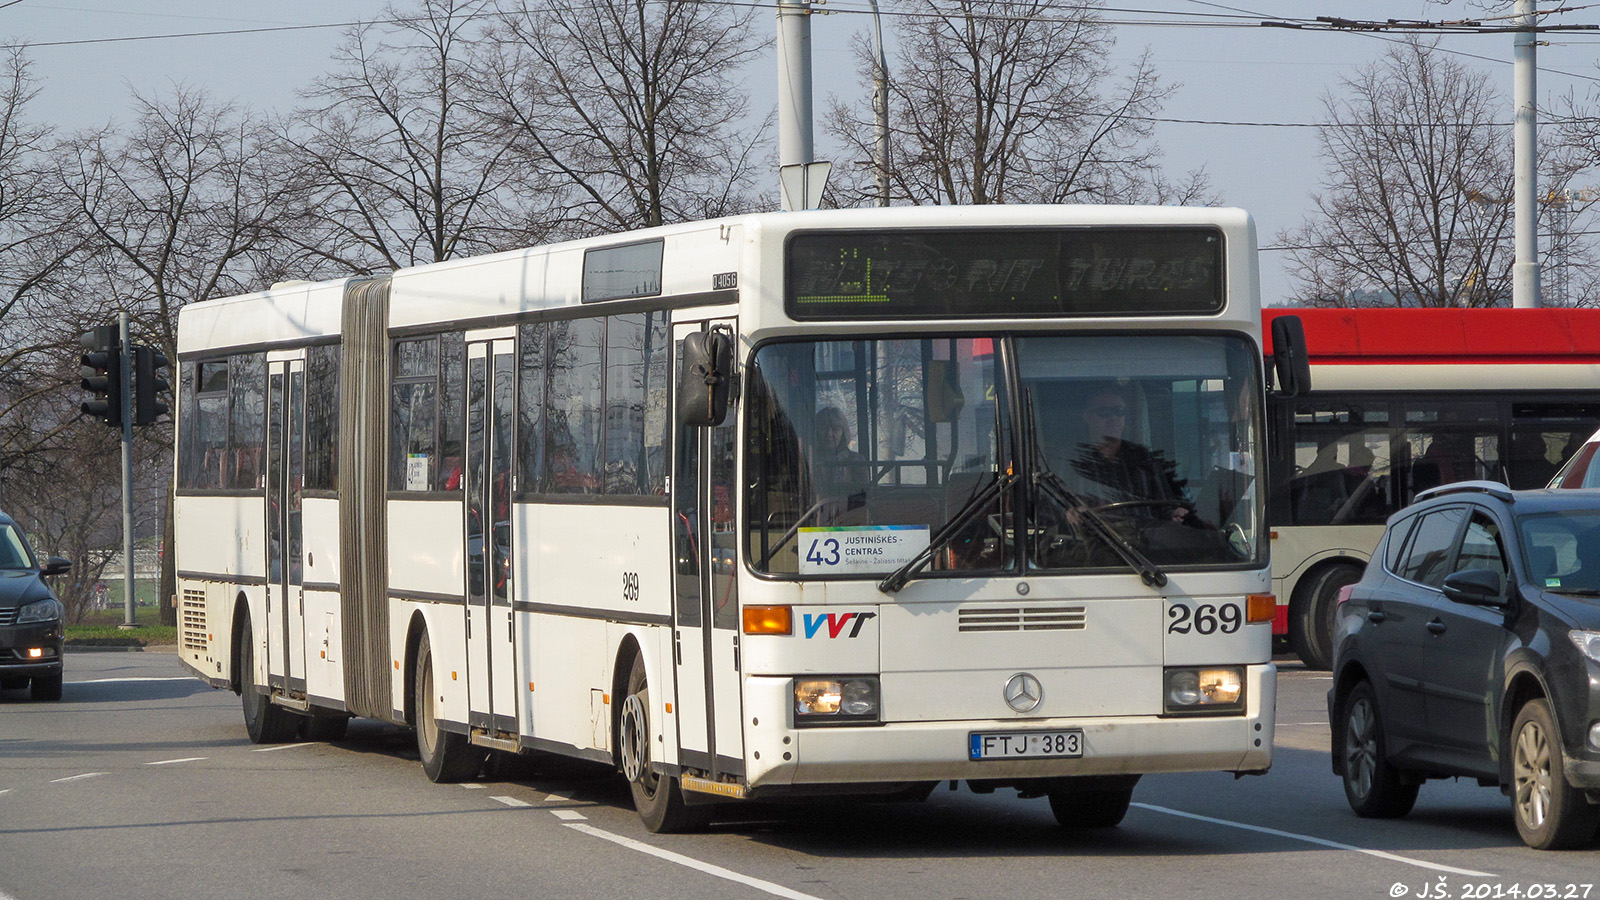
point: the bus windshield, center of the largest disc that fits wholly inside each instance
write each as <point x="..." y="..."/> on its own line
<point x="866" y="455"/>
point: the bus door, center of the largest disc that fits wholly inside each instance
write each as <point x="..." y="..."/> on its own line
<point x="285" y="467"/>
<point x="705" y="595"/>
<point x="491" y="638"/>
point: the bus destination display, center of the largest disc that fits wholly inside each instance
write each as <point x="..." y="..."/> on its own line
<point x="967" y="273"/>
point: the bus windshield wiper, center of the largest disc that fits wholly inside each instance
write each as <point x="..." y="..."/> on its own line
<point x="975" y="506"/>
<point x="1051" y="483"/>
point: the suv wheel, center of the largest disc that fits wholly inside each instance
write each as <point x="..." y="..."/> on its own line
<point x="1550" y="813"/>
<point x="1375" y="789"/>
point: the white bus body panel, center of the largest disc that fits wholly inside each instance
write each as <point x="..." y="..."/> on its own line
<point x="571" y="583"/>
<point x="199" y="519"/>
<point x="289" y="314"/>
<point x="542" y="278"/>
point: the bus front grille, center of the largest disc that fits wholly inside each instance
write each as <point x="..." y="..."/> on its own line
<point x="1034" y="618"/>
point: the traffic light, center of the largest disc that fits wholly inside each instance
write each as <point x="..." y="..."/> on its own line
<point x="148" y="384"/>
<point x="102" y="374"/>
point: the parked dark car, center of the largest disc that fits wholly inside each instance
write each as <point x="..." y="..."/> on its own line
<point x="30" y="617"/>
<point x="1471" y="648"/>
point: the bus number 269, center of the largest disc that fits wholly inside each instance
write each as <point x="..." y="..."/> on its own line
<point x="1207" y="618"/>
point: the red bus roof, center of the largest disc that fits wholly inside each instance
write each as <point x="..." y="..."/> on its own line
<point x="1442" y="336"/>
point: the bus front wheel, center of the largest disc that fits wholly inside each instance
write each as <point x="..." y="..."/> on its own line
<point x="656" y="796"/>
<point x="1311" y="615"/>
<point x="1101" y="806"/>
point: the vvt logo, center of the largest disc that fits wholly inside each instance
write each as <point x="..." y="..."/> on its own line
<point x="836" y="623"/>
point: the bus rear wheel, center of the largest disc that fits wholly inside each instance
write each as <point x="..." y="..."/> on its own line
<point x="447" y="757"/>
<point x="264" y="721"/>
<point x="657" y="797"/>
<point x="1311" y="615"/>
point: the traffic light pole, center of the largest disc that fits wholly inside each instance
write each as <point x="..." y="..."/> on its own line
<point x="126" y="400"/>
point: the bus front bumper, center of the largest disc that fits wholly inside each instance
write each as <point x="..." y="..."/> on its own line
<point x="780" y="754"/>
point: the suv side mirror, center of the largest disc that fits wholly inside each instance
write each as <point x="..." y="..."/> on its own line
<point x="55" y="565"/>
<point x="1477" y="587"/>
<point x="705" y="378"/>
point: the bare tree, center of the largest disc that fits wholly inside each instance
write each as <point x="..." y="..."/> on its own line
<point x="181" y="207"/>
<point x="995" y="101"/>
<point x="397" y="167"/>
<point x="631" y="109"/>
<point x="1415" y="207"/>
<point x="36" y="241"/>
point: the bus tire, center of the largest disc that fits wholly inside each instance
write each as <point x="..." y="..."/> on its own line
<point x="265" y="721"/>
<point x="1099" y="807"/>
<point x="447" y="757"/>
<point x="1374" y="788"/>
<point x="1551" y="814"/>
<point x="1311" y="615"/>
<point x="656" y="796"/>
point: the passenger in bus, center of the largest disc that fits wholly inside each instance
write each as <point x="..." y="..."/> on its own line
<point x="1111" y="469"/>
<point x="838" y="470"/>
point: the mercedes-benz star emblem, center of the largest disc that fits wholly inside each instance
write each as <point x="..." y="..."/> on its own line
<point x="1023" y="692"/>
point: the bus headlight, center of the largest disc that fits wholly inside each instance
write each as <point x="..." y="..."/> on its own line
<point x="1215" y="690"/>
<point x="848" y="700"/>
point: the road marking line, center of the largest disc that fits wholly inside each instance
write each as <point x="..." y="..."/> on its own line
<point x="557" y="798"/>
<point x="512" y="801"/>
<point x="116" y="680"/>
<point x="4" y="791"/>
<point x="1323" y="842"/>
<point x="168" y="762"/>
<point x="281" y="747"/>
<point x="79" y="777"/>
<point x="3" y="894"/>
<point x="474" y="787"/>
<point x="776" y="890"/>
<point x="571" y="815"/>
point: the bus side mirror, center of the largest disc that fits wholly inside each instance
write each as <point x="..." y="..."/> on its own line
<point x="705" y="377"/>
<point x="1290" y="359"/>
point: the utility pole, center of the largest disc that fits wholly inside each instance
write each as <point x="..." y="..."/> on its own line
<point x="880" y="106"/>
<point x="800" y="177"/>
<point x="125" y="360"/>
<point x="1525" y="269"/>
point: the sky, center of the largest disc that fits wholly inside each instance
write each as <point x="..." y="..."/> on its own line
<point x="1259" y="87"/>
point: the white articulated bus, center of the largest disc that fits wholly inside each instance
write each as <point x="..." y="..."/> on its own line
<point x="764" y="507"/>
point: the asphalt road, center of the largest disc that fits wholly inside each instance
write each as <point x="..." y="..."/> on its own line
<point x="141" y="784"/>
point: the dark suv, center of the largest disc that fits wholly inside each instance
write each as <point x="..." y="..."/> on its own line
<point x="1471" y="647"/>
<point x="30" y="617"/>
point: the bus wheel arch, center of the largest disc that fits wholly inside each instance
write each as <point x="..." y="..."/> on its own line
<point x="446" y="756"/>
<point x="1312" y="609"/>
<point x="264" y="721"/>
<point x="656" y="795"/>
<point x="621" y="671"/>
<point x="241" y="619"/>
<point x="408" y="668"/>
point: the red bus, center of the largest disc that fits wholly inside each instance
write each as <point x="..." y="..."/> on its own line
<point x="1403" y="400"/>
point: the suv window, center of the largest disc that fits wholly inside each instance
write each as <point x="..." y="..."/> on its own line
<point x="1480" y="546"/>
<point x="1428" y="552"/>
